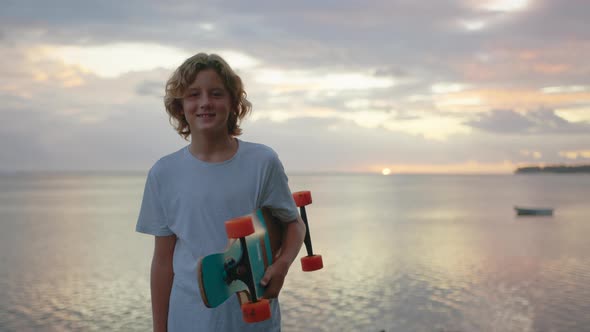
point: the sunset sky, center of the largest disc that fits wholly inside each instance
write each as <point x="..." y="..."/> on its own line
<point x="348" y="86"/>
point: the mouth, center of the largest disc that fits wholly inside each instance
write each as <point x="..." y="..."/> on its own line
<point x="206" y="115"/>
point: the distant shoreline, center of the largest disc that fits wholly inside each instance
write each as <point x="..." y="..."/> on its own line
<point x="553" y="169"/>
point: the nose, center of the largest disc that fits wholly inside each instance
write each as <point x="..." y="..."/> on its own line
<point x="205" y="102"/>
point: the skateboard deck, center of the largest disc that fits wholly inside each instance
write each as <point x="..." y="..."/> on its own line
<point x="218" y="282"/>
<point x="254" y="242"/>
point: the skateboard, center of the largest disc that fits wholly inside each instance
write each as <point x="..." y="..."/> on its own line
<point x="254" y="241"/>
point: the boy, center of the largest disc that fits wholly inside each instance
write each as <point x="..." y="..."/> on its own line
<point x="189" y="195"/>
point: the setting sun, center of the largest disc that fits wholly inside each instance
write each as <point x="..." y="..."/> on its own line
<point x="386" y="171"/>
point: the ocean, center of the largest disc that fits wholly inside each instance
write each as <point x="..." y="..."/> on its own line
<point x="401" y="253"/>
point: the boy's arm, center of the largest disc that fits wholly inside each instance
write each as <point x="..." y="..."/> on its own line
<point x="161" y="278"/>
<point x="274" y="277"/>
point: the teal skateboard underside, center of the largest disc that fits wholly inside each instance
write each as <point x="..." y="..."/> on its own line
<point x="212" y="272"/>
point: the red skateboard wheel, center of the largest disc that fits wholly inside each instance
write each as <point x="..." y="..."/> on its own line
<point x="239" y="227"/>
<point x="312" y="263"/>
<point x="253" y="312"/>
<point x="302" y="198"/>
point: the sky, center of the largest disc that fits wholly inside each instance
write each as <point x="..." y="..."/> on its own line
<point x="446" y="86"/>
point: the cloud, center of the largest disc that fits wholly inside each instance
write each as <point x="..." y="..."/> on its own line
<point x="502" y="121"/>
<point x="132" y="138"/>
<point x="583" y="154"/>
<point x="534" y="122"/>
<point x="150" y="88"/>
<point x="420" y="40"/>
<point x="112" y="60"/>
<point x="372" y="83"/>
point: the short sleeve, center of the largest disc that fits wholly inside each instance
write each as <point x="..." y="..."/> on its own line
<point x="276" y="194"/>
<point x="152" y="219"/>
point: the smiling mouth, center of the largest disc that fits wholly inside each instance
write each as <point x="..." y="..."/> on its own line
<point x="206" y="115"/>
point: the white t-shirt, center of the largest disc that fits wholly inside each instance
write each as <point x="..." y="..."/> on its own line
<point x="192" y="199"/>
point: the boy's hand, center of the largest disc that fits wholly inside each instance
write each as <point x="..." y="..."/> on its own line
<point x="274" y="277"/>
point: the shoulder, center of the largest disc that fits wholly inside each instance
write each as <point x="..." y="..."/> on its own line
<point x="167" y="164"/>
<point x="259" y="151"/>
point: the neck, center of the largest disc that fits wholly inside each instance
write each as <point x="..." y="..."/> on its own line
<point x="213" y="149"/>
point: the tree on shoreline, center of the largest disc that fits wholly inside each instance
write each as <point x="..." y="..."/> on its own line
<point x="553" y="169"/>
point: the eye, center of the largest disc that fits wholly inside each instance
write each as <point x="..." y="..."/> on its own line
<point x="218" y="93"/>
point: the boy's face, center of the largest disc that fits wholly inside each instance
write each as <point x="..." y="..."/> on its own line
<point x="207" y="104"/>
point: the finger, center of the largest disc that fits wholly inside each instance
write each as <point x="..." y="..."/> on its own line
<point x="270" y="293"/>
<point x="274" y="288"/>
<point x="267" y="277"/>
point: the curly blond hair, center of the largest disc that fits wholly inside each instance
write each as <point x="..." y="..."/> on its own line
<point x="185" y="75"/>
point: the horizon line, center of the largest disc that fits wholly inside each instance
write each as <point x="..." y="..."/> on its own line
<point x="289" y="173"/>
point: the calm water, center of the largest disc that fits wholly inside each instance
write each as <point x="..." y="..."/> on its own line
<point x="401" y="253"/>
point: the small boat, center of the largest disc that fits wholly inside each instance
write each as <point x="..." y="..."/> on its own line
<point x="521" y="211"/>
